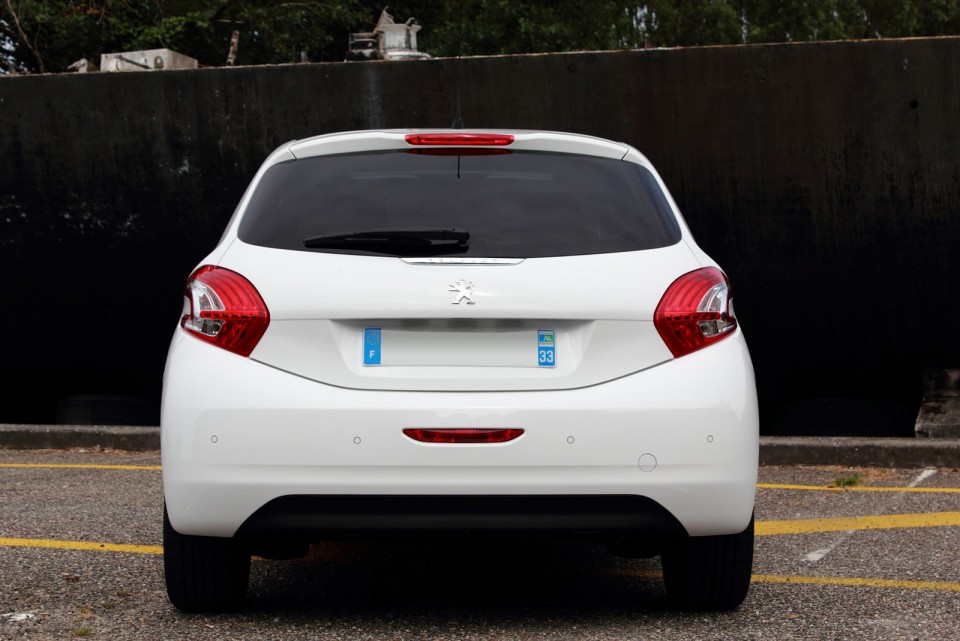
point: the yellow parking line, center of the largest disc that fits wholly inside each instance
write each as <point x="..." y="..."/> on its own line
<point x="826" y="488"/>
<point x="81" y="466"/>
<point x="890" y="521"/>
<point x="814" y="580"/>
<point x="852" y="582"/>
<point x="81" y="545"/>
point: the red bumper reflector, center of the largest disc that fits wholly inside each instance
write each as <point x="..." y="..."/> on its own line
<point x="463" y="435"/>
<point x="480" y="140"/>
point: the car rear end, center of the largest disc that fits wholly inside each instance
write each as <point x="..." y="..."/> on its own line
<point x="449" y="331"/>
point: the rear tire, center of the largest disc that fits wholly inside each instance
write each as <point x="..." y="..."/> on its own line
<point x="709" y="572"/>
<point x="204" y="573"/>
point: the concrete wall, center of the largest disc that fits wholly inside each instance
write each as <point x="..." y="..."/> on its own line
<point x="824" y="178"/>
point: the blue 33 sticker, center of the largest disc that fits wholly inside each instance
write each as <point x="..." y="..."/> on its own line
<point x="546" y="348"/>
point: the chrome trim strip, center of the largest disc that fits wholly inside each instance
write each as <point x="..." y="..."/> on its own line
<point x="446" y="260"/>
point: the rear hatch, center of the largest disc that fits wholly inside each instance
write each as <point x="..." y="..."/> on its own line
<point x="460" y="269"/>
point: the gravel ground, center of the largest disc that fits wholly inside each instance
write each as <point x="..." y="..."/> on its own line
<point x="465" y="589"/>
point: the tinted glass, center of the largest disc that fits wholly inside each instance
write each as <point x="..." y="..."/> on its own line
<point x="514" y="205"/>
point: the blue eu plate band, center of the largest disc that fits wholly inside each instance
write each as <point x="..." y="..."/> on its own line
<point x="371" y="346"/>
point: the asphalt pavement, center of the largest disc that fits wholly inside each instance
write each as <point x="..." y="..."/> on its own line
<point x="80" y="532"/>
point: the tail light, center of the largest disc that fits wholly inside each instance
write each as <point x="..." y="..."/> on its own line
<point x="695" y="311"/>
<point x="473" y="140"/>
<point x="463" y="435"/>
<point x="225" y="310"/>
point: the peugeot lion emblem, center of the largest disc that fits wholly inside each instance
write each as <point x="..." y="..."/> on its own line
<point x="463" y="292"/>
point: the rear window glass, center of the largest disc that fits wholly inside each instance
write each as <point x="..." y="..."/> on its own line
<point x="514" y="205"/>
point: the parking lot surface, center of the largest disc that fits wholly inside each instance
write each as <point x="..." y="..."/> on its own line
<point x="877" y="559"/>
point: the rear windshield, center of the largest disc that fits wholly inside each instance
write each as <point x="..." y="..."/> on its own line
<point x="514" y="204"/>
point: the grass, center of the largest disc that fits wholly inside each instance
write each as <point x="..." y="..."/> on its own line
<point x="851" y="479"/>
<point x="82" y="632"/>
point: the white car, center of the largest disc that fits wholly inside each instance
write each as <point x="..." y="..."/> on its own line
<point x="451" y="331"/>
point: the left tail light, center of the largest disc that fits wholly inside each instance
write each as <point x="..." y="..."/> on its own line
<point x="226" y="310"/>
<point x="695" y="311"/>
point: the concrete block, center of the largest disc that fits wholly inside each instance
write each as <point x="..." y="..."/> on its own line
<point x="859" y="452"/>
<point x="939" y="415"/>
<point x="56" y="437"/>
<point x="148" y="60"/>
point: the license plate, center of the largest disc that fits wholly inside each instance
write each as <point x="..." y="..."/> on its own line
<point x="395" y="347"/>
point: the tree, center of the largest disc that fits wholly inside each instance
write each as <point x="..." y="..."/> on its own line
<point x="793" y="20"/>
<point x="490" y="27"/>
<point x="47" y="35"/>
<point x="673" y="23"/>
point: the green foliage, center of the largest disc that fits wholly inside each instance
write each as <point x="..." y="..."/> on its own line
<point x="491" y="27"/>
<point x="672" y="23"/>
<point x="47" y="35"/>
<point x="794" y="20"/>
<point x="848" y="480"/>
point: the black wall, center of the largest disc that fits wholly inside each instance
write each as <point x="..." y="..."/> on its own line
<point x="823" y="177"/>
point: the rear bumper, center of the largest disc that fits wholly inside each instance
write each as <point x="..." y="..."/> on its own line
<point x="238" y="435"/>
<point x="313" y="517"/>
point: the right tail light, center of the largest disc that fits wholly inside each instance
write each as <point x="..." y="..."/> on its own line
<point x="695" y="311"/>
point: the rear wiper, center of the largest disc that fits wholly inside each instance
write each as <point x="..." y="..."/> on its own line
<point x="399" y="242"/>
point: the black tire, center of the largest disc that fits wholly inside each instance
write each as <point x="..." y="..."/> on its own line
<point x="709" y="572"/>
<point x="203" y="573"/>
